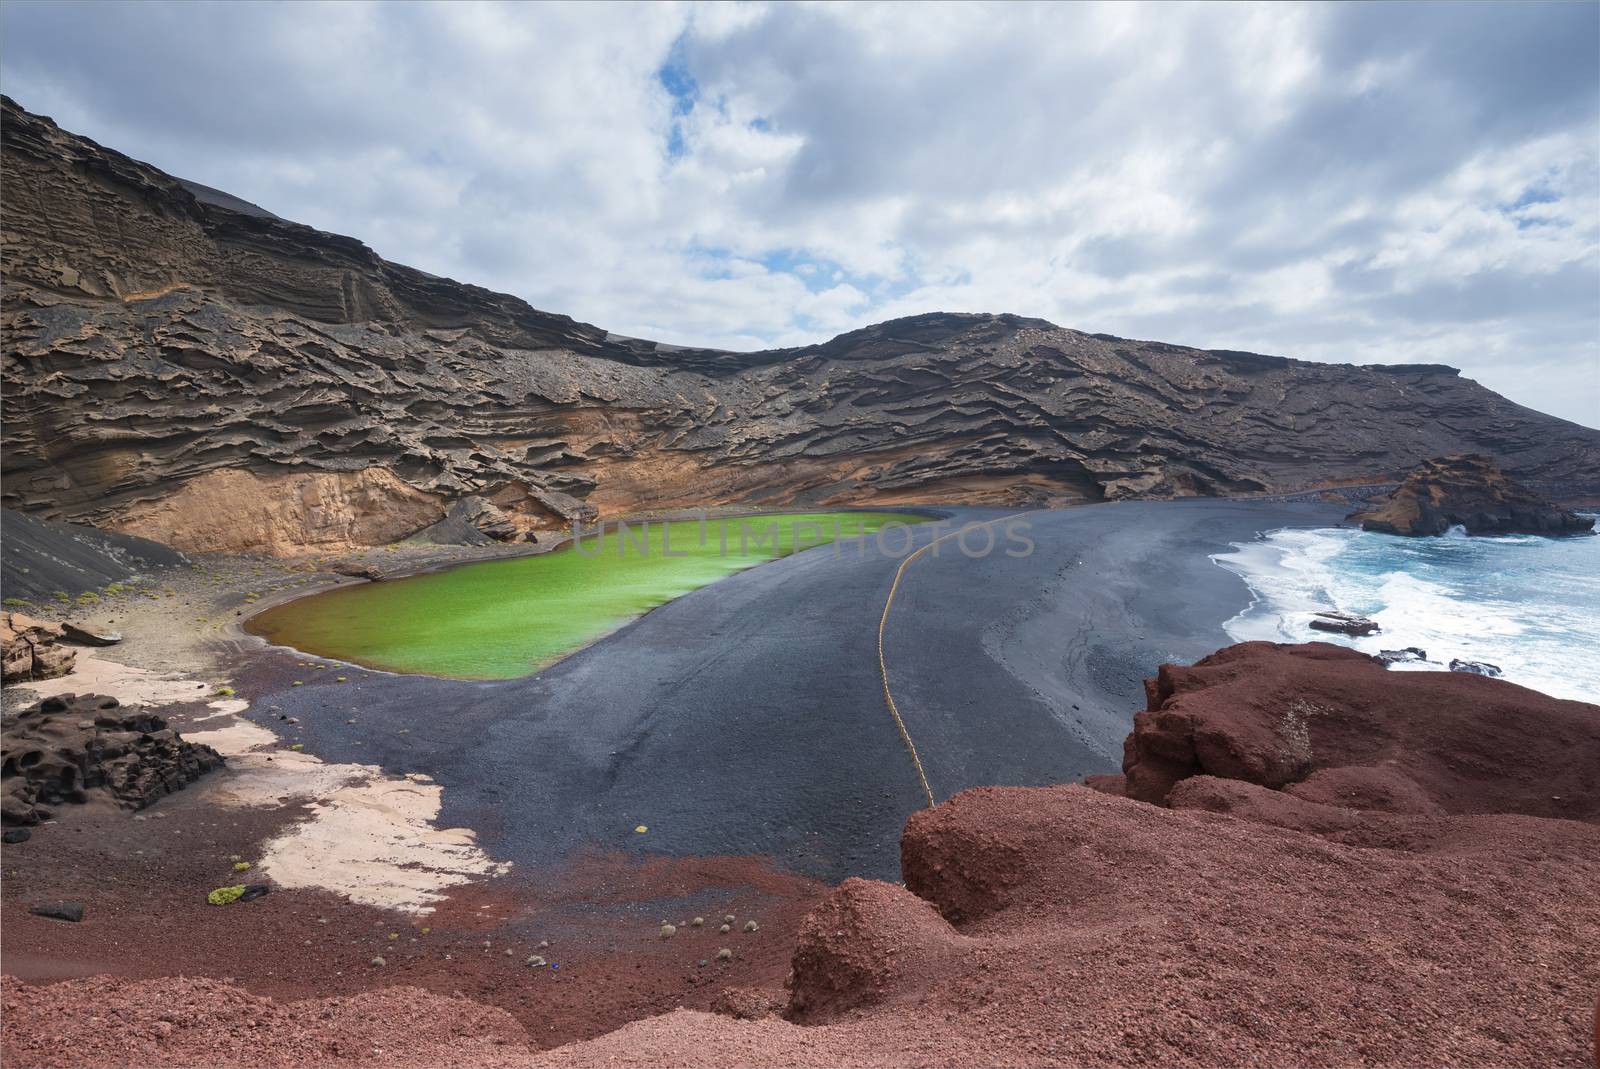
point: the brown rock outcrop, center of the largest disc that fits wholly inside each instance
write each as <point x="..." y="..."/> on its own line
<point x="157" y="333"/>
<point x="283" y="512"/>
<point x="1473" y="492"/>
<point x="68" y="748"/>
<point x="31" y="649"/>
<point x="1332" y="725"/>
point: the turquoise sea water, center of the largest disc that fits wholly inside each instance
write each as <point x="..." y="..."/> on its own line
<point x="1529" y="605"/>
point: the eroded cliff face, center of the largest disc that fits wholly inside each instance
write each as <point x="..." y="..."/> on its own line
<point x="176" y="361"/>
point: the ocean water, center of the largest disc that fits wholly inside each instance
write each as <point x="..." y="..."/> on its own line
<point x="1529" y="605"/>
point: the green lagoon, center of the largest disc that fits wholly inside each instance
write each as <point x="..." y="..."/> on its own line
<point x="508" y="618"/>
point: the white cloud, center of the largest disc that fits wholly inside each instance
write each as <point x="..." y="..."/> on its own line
<point x="1351" y="183"/>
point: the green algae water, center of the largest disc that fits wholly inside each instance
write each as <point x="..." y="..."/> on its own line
<point x="507" y="618"/>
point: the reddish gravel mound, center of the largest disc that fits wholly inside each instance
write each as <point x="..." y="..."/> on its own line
<point x="1344" y="730"/>
<point x="182" y="1022"/>
<point x="1378" y="911"/>
<point x="861" y="942"/>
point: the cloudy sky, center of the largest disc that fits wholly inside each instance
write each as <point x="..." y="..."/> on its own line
<point x="1356" y="183"/>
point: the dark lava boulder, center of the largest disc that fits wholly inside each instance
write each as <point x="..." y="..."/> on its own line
<point x="61" y="911"/>
<point x="1343" y="623"/>
<point x="1471" y="491"/>
<point x="68" y="748"/>
<point x="1318" y="719"/>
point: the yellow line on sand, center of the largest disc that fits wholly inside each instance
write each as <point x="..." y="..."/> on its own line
<point x="883" y="623"/>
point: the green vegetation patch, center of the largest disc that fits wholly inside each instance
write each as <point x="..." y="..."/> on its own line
<point x="508" y="618"/>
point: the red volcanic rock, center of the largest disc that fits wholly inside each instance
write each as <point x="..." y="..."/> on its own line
<point x="1340" y="728"/>
<point x="1135" y="935"/>
<point x="1392" y="903"/>
<point x="1472" y="491"/>
<point x="178" y="1021"/>
<point x="861" y="942"/>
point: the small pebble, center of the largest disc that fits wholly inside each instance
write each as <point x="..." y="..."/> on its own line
<point x="668" y="931"/>
<point x="725" y="929"/>
<point x="751" y="926"/>
<point x="379" y="961"/>
<point x="699" y="921"/>
<point x="728" y="919"/>
<point x="724" y="954"/>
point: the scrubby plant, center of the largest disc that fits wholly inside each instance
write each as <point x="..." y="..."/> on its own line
<point x="63" y="597"/>
<point x="223" y="896"/>
<point x="18" y="603"/>
<point x="241" y="866"/>
<point x="88" y="597"/>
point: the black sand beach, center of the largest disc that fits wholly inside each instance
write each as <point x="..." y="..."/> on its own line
<point x="747" y="717"/>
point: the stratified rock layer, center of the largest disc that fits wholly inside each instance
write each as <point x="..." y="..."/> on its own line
<point x="1472" y="492"/>
<point x="185" y="366"/>
<point x="68" y="748"/>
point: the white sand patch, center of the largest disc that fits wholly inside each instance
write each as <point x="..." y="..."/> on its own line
<point x="131" y="685"/>
<point x="375" y="842"/>
<point x="371" y="836"/>
<point x="234" y="739"/>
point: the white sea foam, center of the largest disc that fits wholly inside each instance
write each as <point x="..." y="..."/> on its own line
<point x="1529" y="605"/>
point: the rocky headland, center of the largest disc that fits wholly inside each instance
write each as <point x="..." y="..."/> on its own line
<point x="182" y="365"/>
<point x="1337" y="865"/>
<point x="1472" y="492"/>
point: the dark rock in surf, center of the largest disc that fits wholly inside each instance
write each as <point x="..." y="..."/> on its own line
<point x="1477" y="668"/>
<point x="1344" y="623"/>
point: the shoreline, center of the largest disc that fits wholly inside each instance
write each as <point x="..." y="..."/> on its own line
<point x="236" y="630"/>
<point x="667" y="723"/>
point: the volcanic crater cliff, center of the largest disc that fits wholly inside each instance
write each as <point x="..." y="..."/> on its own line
<point x="182" y="365"/>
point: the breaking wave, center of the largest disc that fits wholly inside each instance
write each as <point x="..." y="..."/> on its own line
<point x="1529" y="605"/>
